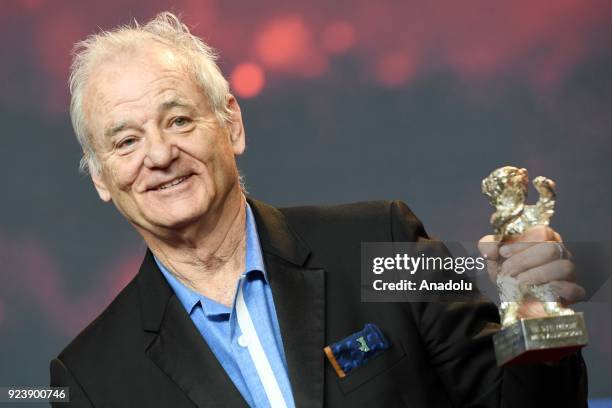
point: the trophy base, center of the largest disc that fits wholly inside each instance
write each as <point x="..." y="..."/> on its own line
<point x="540" y="339"/>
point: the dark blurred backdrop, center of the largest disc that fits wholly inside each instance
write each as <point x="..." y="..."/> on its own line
<point x="342" y="101"/>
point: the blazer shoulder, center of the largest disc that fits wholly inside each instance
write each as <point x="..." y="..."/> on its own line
<point x="382" y="220"/>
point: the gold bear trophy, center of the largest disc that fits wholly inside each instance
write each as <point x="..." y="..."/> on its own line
<point x="561" y="331"/>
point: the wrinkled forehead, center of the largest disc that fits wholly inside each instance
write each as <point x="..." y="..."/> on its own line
<point x="133" y="80"/>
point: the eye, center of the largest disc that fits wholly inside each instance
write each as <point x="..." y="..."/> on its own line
<point x="180" y="121"/>
<point x="127" y="142"/>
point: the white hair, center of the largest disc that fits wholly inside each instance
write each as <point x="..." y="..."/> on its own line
<point x="165" y="28"/>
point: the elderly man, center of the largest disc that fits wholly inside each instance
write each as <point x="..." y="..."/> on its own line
<point x="235" y="300"/>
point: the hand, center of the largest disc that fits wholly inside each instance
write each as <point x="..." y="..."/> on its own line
<point x="535" y="257"/>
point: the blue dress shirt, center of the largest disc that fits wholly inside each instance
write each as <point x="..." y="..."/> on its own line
<point x="220" y="328"/>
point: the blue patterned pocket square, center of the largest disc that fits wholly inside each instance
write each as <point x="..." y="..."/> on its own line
<point x="356" y="349"/>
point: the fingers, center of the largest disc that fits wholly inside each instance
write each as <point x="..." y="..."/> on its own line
<point x="532" y="257"/>
<point x="508" y="250"/>
<point x="532" y="236"/>
<point x="568" y="292"/>
<point x="539" y="233"/>
<point x="559" y="270"/>
<point x="488" y="247"/>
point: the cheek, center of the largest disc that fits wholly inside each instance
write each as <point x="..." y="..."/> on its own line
<point x="198" y="147"/>
<point x="211" y="151"/>
<point x="124" y="171"/>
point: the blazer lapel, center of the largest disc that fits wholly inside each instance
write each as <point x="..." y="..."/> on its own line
<point x="299" y="299"/>
<point x="177" y="347"/>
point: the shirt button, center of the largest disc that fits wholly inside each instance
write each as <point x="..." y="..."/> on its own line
<point x="242" y="341"/>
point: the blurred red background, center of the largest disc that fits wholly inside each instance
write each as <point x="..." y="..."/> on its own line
<point x="534" y="67"/>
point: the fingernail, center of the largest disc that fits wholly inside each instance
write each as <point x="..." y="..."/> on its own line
<point x="504" y="251"/>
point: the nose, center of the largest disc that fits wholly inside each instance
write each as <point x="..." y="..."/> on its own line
<point x="161" y="150"/>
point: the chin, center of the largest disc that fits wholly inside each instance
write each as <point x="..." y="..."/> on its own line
<point x="177" y="217"/>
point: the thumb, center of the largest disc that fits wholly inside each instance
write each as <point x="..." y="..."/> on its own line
<point x="489" y="248"/>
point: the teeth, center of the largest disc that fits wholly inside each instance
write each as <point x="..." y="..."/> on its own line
<point x="172" y="183"/>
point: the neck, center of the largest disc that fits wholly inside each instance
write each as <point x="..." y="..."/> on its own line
<point x="208" y="257"/>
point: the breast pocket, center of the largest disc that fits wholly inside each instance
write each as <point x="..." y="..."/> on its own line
<point x="373" y="368"/>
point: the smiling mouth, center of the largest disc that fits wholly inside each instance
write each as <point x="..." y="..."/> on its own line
<point x="172" y="183"/>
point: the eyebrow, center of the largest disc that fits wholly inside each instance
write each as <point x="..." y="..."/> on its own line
<point x="174" y="103"/>
<point x="112" y="131"/>
<point x="164" y="107"/>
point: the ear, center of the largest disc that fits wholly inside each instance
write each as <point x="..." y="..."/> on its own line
<point x="236" y="128"/>
<point x="100" y="184"/>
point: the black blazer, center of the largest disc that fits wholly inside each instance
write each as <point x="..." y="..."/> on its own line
<point x="144" y="351"/>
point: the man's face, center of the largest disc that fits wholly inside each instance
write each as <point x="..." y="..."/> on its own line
<point x="166" y="161"/>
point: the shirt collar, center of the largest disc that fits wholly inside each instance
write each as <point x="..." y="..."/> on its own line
<point x="254" y="257"/>
<point x="254" y="262"/>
